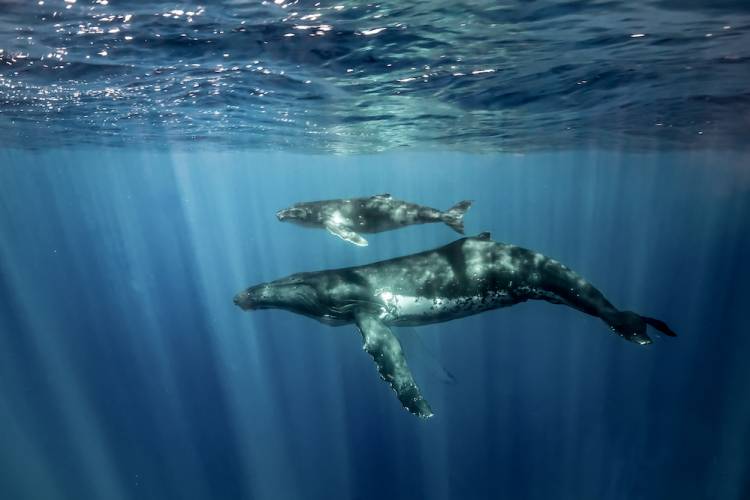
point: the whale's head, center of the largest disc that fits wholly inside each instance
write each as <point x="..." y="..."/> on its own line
<point x="299" y="214"/>
<point x="298" y="293"/>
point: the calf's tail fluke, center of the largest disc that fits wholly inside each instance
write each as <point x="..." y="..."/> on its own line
<point x="632" y="326"/>
<point x="454" y="216"/>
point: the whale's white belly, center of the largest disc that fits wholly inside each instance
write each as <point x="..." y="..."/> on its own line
<point x="406" y="309"/>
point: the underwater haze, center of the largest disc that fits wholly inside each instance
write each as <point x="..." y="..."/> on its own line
<point x="127" y="372"/>
<point x="145" y="148"/>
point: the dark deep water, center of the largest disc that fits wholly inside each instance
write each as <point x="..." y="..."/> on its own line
<point x="127" y="372"/>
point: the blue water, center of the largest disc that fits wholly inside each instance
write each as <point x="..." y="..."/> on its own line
<point x="146" y="146"/>
<point x="127" y="372"/>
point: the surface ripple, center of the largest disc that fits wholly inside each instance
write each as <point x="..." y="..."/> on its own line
<point x="353" y="77"/>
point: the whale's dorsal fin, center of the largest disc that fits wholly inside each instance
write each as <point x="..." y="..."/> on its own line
<point x="345" y="233"/>
<point x="484" y="235"/>
<point x="385" y="349"/>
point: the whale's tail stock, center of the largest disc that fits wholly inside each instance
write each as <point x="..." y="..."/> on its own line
<point x="632" y="326"/>
<point x="454" y="216"/>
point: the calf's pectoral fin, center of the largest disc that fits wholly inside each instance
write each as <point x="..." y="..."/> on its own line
<point x="385" y="349"/>
<point x="345" y="233"/>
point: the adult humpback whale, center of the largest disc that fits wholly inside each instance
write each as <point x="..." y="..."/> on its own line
<point x="462" y="278"/>
<point x="349" y="217"/>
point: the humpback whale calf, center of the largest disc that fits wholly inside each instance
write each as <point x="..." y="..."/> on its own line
<point x="347" y="218"/>
<point x="466" y="277"/>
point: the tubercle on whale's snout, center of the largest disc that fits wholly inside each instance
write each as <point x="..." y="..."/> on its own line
<point x="285" y="213"/>
<point x="256" y="297"/>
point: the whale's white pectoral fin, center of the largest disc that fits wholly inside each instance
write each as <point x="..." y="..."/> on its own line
<point x="345" y="233"/>
<point x="385" y="349"/>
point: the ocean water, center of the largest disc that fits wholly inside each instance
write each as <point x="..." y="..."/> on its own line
<point x="350" y="76"/>
<point x="146" y="146"/>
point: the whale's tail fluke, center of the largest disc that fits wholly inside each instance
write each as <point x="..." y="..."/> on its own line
<point x="454" y="216"/>
<point x="632" y="326"/>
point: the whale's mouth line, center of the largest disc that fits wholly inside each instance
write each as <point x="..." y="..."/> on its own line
<point x="257" y="307"/>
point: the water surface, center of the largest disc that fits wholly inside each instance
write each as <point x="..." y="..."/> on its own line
<point x="351" y="76"/>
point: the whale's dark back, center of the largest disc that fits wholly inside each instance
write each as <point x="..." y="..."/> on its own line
<point x="469" y="266"/>
<point x="375" y="213"/>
